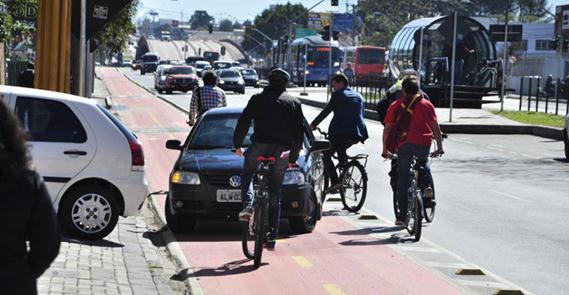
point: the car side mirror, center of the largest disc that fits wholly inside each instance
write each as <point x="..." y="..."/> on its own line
<point x="174" y="144"/>
<point x="319" y="145"/>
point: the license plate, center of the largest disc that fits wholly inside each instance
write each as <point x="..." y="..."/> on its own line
<point x="228" y="195"/>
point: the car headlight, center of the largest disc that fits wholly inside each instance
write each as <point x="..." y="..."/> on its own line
<point x="338" y="72"/>
<point x="293" y="177"/>
<point x="221" y="82"/>
<point x="241" y="82"/>
<point x="306" y="72"/>
<point x="184" y="177"/>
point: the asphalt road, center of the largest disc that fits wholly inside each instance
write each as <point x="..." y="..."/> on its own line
<point x="502" y="200"/>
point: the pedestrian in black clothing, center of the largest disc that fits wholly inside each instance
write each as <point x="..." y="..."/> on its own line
<point x="26" y="214"/>
<point x="26" y="77"/>
<point x="278" y="132"/>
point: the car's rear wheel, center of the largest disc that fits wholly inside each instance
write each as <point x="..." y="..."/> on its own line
<point x="176" y="222"/>
<point x="142" y="72"/>
<point x="168" y="91"/>
<point x="89" y="212"/>
<point x="306" y="224"/>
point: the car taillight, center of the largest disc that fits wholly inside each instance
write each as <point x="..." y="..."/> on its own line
<point x="137" y="155"/>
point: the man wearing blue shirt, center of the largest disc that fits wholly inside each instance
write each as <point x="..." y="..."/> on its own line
<point x="347" y="126"/>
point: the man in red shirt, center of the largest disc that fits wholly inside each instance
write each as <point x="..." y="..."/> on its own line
<point x="417" y="142"/>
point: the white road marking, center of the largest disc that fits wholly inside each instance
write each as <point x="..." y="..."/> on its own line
<point x="449" y="264"/>
<point x="482" y="284"/>
<point x="418" y="249"/>
<point x="510" y="196"/>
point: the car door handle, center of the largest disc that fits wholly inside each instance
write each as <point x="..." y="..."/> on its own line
<point x="75" y="152"/>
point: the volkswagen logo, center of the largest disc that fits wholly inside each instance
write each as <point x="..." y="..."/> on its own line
<point x="235" y="181"/>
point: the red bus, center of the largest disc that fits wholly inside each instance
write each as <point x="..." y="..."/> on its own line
<point x="365" y="60"/>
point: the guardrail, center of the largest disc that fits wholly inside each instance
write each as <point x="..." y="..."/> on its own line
<point x="544" y="99"/>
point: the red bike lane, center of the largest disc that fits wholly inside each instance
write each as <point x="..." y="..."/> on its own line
<point x="335" y="259"/>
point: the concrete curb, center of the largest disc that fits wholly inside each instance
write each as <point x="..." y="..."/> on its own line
<point x="541" y="131"/>
<point x="175" y="251"/>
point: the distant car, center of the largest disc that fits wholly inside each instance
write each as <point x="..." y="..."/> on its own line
<point x="202" y="65"/>
<point x="149" y="63"/>
<point x="127" y="63"/>
<point x="566" y="137"/>
<point x="160" y="77"/>
<point x="92" y="164"/>
<point x="177" y="78"/>
<point x="205" y="179"/>
<point x="231" y="80"/>
<point x="250" y="76"/>
<point x="191" y="60"/>
<point x="220" y="65"/>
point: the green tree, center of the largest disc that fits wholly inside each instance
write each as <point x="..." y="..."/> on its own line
<point x="116" y="33"/>
<point x="275" y="22"/>
<point x="225" y="26"/>
<point x="200" y="20"/>
<point x="237" y="25"/>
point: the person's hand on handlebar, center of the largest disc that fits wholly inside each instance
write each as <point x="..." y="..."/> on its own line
<point x="386" y="154"/>
<point x="312" y="127"/>
<point x="439" y="152"/>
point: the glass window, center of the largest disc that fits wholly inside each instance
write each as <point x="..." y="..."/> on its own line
<point x="229" y="74"/>
<point x="541" y="45"/>
<point x="49" y="121"/>
<point x="217" y="132"/>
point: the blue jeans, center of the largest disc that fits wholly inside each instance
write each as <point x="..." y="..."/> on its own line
<point x="276" y="176"/>
<point x="404" y="156"/>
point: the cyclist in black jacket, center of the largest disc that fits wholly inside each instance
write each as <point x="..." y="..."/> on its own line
<point x="278" y="131"/>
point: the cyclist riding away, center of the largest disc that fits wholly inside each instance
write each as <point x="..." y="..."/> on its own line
<point x="414" y="141"/>
<point x="347" y="126"/>
<point x="278" y="127"/>
<point x="207" y="97"/>
<point x="391" y="95"/>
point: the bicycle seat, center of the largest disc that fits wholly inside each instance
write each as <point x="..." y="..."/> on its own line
<point x="270" y="159"/>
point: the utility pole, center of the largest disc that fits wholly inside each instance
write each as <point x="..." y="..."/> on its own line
<point x="505" y="60"/>
<point x="330" y="31"/>
<point x="453" y="63"/>
<point x="82" y="48"/>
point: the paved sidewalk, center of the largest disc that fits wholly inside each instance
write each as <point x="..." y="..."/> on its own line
<point x="131" y="260"/>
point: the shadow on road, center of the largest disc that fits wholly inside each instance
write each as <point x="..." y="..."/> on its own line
<point x="368" y="230"/>
<point x="562" y="160"/>
<point x="230" y="268"/>
<point x="101" y="243"/>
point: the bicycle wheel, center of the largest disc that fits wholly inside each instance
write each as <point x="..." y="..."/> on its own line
<point x="411" y="196"/>
<point x="395" y="205"/>
<point x="354" y="186"/>
<point x="248" y="236"/>
<point x="418" y="224"/>
<point x="429" y="207"/>
<point x="260" y="230"/>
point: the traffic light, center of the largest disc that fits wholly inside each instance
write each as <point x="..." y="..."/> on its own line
<point x="210" y="28"/>
<point x="325" y="34"/>
<point x="334" y="2"/>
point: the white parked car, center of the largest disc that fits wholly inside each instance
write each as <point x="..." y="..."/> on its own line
<point x="92" y="165"/>
<point x="566" y="137"/>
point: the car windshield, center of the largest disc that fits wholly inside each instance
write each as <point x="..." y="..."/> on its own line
<point x="248" y="72"/>
<point x="216" y="132"/>
<point x="229" y="74"/>
<point x="201" y="66"/>
<point x="180" y="71"/>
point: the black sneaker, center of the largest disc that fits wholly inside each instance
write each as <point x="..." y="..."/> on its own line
<point x="400" y="223"/>
<point x="270" y="245"/>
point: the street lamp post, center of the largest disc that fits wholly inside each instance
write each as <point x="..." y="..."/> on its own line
<point x="505" y="60"/>
<point x="304" y="93"/>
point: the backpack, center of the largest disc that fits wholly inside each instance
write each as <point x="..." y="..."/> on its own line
<point x="398" y="132"/>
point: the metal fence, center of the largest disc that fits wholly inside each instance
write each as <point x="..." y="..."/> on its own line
<point x="14" y="68"/>
<point x="371" y="88"/>
<point x="550" y="98"/>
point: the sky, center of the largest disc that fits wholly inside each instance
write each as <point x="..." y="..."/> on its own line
<point x="242" y="9"/>
<point x="231" y="9"/>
